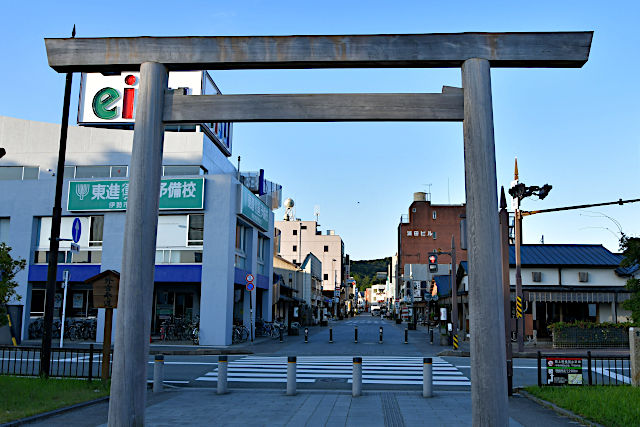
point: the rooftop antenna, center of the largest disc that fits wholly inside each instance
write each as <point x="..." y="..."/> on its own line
<point x="316" y="212"/>
<point x="542" y="239"/>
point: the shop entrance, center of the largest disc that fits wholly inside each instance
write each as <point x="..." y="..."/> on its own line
<point x="174" y="304"/>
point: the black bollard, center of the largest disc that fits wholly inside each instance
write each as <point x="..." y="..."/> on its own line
<point x="356" y="332"/>
<point x="281" y="334"/>
<point x="431" y="336"/>
<point x="306" y="335"/>
<point x="406" y="336"/>
<point x="331" y="335"/>
<point x="380" y="334"/>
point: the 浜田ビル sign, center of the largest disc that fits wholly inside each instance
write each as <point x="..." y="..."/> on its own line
<point x="564" y="371"/>
<point x="113" y="195"/>
<point x="253" y="209"/>
<point x="111" y="99"/>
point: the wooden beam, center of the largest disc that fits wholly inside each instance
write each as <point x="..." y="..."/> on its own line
<point x="313" y="107"/>
<point x="550" y="49"/>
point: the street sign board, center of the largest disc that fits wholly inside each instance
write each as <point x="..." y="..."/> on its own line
<point x="564" y="371"/>
<point x="249" y="277"/>
<point x="75" y="247"/>
<point x="76" y="230"/>
<point x="105" y="289"/>
<point x="250" y="286"/>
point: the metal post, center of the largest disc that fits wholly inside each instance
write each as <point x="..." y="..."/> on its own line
<point x="406" y="336"/>
<point x="380" y="334"/>
<point x="280" y="329"/>
<point x="454" y="289"/>
<point x="589" y="367"/>
<point x="331" y="335"/>
<point x="158" y="373"/>
<point x="128" y="382"/>
<point x="356" y="335"/>
<point x="356" y="389"/>
<point x="54" y="242"/>
<point x="222" y="374"/>
<point x="427" y="377"/>
<point x="291" y="375"/>
<point x="65" y="284"/>
<point x="539" y="369"/>
<point x="306" y="335"/>
<point x="489" y="405"/>
<point x="519" y="321"/>
<point x="506" y="286"/>
<point x="430" y="335"/>
<point x="90" y="362"/>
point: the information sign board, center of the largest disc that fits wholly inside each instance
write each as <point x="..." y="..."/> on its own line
<point x="253" y="209"/>
<point x="564" y="371"/>
<point x="113" y="194"/>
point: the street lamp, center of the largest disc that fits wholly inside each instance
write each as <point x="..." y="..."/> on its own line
<point x="519" y="191"/>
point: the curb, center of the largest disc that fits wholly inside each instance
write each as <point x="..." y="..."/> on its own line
<point x="44" y="415"/>
<point x="558" y="409"/>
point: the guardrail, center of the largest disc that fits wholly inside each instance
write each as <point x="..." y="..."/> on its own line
<point x="65" y="362"/>
<point x="602" y="369"/>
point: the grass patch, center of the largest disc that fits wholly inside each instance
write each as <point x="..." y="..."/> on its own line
<point x="607" y="405"/>
<point x="23" y="396"/>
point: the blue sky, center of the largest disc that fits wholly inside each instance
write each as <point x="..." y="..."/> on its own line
<point x="572" y="128"/>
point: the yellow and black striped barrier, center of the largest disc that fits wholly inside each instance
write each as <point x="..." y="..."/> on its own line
<point x="518" y="307"/>
<point x="455" y="342"/>
<point x="13" y="335"/>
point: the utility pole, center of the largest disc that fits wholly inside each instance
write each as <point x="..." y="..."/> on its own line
<point x="54" y="242"/>
<point x="518" y="243"/>
<point x="506" y="286"/>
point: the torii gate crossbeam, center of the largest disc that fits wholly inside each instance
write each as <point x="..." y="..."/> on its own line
<point x="474" y="53"/>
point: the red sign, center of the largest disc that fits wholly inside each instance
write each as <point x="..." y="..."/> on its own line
<point x="249" y="278"/>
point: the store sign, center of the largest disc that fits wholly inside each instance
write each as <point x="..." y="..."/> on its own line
<point x="113" y="195"/>
<point x="564" y="371"/>
<point x="111" y="99"/>
<point x="252" y="208"/>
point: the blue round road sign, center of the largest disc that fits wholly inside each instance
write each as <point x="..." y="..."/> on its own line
<point x="250" y="286"/>
<point x="76" y="230"/>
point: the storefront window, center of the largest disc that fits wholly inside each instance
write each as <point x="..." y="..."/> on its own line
<point x="95" y="234"/>
<point x="196" y="230"/>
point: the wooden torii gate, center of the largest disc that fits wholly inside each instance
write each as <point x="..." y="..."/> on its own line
<point x="474" y="53"/>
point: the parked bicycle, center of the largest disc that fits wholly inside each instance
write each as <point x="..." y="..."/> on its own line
<point x="240" y="334"/>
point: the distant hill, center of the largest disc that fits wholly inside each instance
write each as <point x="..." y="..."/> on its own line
<point x="364" y="271"/>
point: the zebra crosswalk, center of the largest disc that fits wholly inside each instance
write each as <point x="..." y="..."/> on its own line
<point x="390" y="370"/>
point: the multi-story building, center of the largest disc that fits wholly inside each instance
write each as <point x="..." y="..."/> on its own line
<point x="212" y="230"/>
<point x="299" y="238"/>
<point x="427" y="228"/>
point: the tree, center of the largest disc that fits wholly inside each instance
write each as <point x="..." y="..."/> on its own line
<point x="9" y="267"/>
<point x="630" y="247"/>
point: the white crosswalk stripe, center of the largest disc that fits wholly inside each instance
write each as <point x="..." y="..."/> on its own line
<point x="375" y="370"/>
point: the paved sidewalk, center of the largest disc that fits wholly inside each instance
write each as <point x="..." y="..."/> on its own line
<point x="307" y="408"/>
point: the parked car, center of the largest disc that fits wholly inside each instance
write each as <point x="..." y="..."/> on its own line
<point x="375" y="310"/>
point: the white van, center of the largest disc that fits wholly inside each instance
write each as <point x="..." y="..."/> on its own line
<point x="375" y="310"/>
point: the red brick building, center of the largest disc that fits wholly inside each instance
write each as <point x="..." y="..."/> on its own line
<point x="428" y="228"/>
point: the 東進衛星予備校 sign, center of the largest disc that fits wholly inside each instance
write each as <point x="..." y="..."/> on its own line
<point x="252" y="208"/>
<point x="112" y="194"/>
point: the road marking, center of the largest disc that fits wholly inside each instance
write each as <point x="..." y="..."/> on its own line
<point x="309" y="369"/>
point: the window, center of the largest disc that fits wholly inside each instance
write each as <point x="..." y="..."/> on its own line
<point x="295" y="261"/>
<point x="18" y="173"/>
<point x="95" y="233"/>
<point x="326" y="276"/>
<point x="182" y="170"/>
<point x="434" y="215"/>
<point x="435" y="236"/>
<point x="295" y="248"/>
<point x="241" y="238"/>
<point x="69" y="172"/>
<point x="93" y="171"/>
<point x="326" y="248"/>
<point x="295" y="232"/>
<point x="119" y="171"/>
<point x="583" y="276"/>
<point x="4" y="229"/>
<point x="536" y="276"/>
<point x="303" y="227"/>
<point x="196" y="230"/>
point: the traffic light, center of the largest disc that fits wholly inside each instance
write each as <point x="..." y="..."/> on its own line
<point x="434" y="288"/>
<point x="433" y="263"/>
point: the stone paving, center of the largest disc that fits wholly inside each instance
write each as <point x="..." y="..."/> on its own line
<point x="199" y="407"/>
